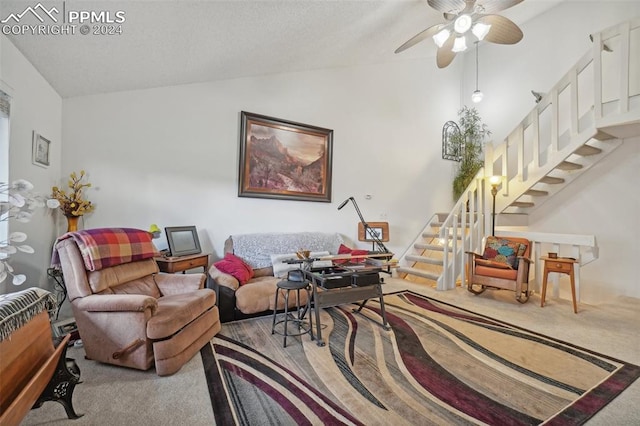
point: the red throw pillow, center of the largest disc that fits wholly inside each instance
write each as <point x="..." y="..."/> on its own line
<point x="236" y="267"/>
<point x="344" y="249"/>
<point x="354" y="252"/>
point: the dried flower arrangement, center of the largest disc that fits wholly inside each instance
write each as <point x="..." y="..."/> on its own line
<point x="73" y="204"/>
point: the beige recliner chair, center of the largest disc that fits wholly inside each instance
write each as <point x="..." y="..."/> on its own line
<point x="132" y="316"/>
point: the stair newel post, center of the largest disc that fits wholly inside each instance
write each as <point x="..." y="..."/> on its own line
<point x="443" y="284"/>
<point x="451" y="279"/>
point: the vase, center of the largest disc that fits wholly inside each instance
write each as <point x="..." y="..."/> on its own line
<point x="72" y="223"/>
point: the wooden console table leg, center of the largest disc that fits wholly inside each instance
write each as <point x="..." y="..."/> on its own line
<point x="545" y="274"/>
<point x="573" y="289"/>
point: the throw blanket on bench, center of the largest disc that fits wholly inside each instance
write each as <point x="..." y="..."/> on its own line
<point x="104" y="247"/>
<point x="17" y="309"/>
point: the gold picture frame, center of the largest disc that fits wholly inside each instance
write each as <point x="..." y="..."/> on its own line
<point x="284" y="160"/>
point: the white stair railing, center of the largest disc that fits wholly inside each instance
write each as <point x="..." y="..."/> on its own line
<point x="567" y="117"/>
<point x="570" y="114"/>
<point x="467" y="219"/>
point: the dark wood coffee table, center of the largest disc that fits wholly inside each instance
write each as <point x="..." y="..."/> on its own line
<point x="344" y="284"/>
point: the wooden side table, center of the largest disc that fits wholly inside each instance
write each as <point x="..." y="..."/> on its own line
<point x="172" y="265"/>
<point x="560" y="265"/>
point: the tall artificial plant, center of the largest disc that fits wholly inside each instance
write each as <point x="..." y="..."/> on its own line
<point x="469" y="143"/>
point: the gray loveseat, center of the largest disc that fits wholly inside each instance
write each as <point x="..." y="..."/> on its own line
<point x="262" y="251"/>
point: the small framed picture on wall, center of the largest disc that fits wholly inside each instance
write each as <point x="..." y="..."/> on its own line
<point x="40" y="150"/>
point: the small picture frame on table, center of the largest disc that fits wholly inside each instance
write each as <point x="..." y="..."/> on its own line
<point x="40" y="150"/>
<point x="375" y="230"/>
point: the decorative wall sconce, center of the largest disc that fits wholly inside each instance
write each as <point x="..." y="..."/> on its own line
<point x="450" y="150"/>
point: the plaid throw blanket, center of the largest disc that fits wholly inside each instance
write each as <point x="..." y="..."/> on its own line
<point x="104" y="247"/>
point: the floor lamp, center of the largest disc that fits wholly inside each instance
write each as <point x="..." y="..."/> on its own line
<point x="494" y="181"/>
<point x="376" y="240"/>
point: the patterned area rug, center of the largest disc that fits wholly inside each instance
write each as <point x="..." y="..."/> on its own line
<point x="438" y="365"/>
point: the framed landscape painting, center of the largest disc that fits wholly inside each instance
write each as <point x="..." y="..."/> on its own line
<point x="281" y="159"/>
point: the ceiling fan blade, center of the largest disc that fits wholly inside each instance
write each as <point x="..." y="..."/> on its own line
<point x="503" y="30"/>
<point x="448" y="6"/>
<point x="419" y="37"/>
<point x="493" y="6"/>
<point x="445" y="55"/>
<point x="450" y="16"/>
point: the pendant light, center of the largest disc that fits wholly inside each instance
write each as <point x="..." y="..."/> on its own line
<point x="477" y="94"/>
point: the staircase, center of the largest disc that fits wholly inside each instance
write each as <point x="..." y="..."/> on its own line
<point x="582" y="119"/>
<point x="424" y="258"/>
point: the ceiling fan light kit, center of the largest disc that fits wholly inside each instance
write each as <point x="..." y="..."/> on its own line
<point x="460" y="45"/>
<point x="480" y="30"/>
<point x="477" y="95"/>
<point x="440" y="38"/>
<point x="462" y="16"/>
<point x="462" y="24"/>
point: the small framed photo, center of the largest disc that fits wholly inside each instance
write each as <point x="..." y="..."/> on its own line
<point x="40" y="150"/>
<point x="375" y="231"/>
<point x="183" y="240"/>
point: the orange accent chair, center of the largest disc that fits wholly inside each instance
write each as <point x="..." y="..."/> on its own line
<point x="504" y="265"/>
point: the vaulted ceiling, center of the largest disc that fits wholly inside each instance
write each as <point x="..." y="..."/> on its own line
<point x="178" y="42"/>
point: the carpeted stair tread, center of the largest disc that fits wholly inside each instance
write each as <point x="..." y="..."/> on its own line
<point x="536" y="193"/>
<point x="568" y="166"/>
<point x="439" y="224"/>
<point x="430" y="235"/>
<point x="434" y="235"/>
<point x="552" y="180"/>
<point x="417" y="272"/>
<point x="586" y="150"/>
<point x="523" y="204"/>
<point x="603" y="136"/>
<point x="423" y="259"/>
<point x="421" y="246"/>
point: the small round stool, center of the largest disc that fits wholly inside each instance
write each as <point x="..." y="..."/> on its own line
<point x="295" y="282"/>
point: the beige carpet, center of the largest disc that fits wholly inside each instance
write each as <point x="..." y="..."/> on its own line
<point x="110" y="395"/>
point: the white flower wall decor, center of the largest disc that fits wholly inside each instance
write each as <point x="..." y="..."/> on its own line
<point x="18" y="202"/>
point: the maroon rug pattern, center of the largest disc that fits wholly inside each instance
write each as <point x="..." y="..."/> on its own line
<point x="438" y="365"/>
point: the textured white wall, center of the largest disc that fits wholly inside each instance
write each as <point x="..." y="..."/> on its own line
<point x="603" y="202"/>
<point x="170" y="155"/>
<point x="34" y="106"/>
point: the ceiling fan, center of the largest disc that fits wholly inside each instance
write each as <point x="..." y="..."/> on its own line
<point x="464" y="17"/>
